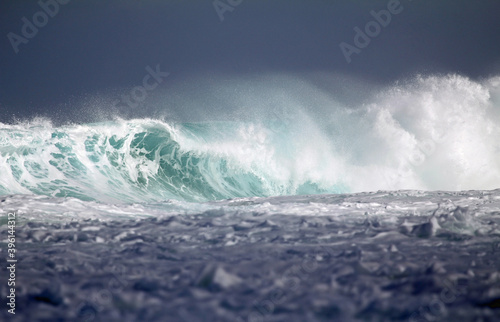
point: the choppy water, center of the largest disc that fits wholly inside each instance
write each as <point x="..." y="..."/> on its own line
<point x="265" y="219"/>
<point x="386" y="256"/>
<point x="434" y="133"/>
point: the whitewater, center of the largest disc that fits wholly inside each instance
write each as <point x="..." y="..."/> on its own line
<point x="387" y="210"/>
<point x="436" y="133"/>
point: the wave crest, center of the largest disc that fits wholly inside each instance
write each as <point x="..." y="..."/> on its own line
<point x="432" y="133"/>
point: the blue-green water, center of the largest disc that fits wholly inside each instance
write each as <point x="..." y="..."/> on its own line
<point x="433" y="133"/>
<point x="147" y="160"/>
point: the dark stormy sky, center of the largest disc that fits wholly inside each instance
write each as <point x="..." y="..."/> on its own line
<point x="92" y="52"/>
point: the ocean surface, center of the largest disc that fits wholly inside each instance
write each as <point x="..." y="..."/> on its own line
<point x="384" y="211"/>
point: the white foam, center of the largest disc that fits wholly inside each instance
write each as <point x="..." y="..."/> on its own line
<point x="429" y="133"/>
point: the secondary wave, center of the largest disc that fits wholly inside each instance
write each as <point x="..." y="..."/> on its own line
<point x="433" y="133"/>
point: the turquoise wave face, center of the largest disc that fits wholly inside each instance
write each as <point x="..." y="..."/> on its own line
<point x="434" y="133"/>
<point x="146" y="160"/>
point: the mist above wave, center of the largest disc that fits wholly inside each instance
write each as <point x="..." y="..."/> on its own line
<point x="429" y="133"/>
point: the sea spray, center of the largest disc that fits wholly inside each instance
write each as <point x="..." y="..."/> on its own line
<point x="438" y="132"/>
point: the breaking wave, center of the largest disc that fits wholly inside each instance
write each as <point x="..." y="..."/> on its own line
<point x="430" y="133"/>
